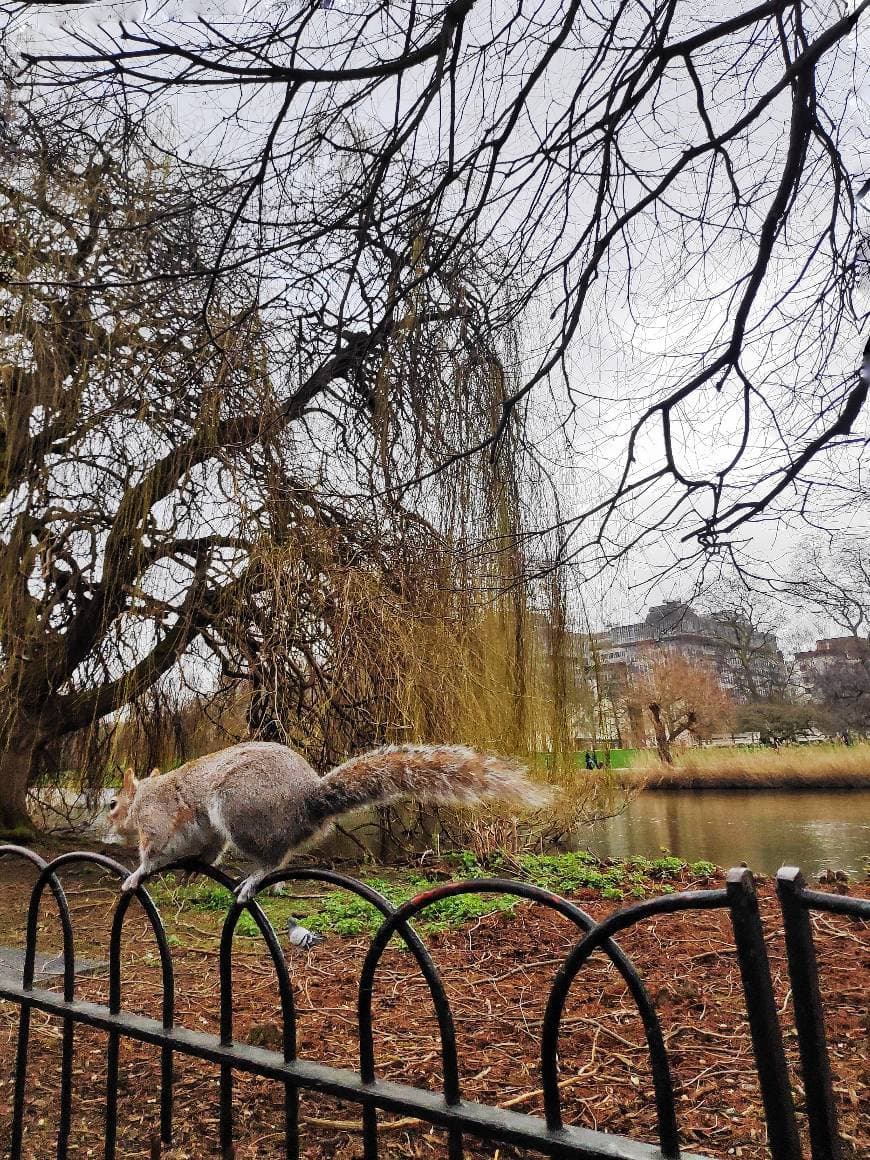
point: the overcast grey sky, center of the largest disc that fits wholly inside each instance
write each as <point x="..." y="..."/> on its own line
<point x="626" y="351"/>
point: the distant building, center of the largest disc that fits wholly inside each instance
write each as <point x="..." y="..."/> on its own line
<point x="740" y="656"/>
<point x="831" y="652"/>
<point x="599" y="666"/>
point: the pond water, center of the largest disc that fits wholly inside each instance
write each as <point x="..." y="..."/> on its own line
<point x="765" y="830"/>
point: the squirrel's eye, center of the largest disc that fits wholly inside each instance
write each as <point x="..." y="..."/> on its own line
<point x="113" y="803"/>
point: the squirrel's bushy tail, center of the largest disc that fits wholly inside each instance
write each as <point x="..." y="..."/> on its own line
<point x="427" y="773"/>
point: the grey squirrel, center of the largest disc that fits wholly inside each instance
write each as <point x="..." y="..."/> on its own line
<point x="266" y="800"/>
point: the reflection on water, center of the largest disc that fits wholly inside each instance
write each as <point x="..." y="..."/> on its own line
<point x="765" y="830"/>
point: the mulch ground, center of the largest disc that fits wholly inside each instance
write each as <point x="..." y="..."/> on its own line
<point x="497" y="973"/>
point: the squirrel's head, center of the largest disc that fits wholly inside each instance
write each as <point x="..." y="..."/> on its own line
<point x="120" y="822"/>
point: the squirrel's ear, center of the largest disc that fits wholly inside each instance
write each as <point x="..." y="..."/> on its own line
<point x="130" y="782"/>
<point x="155" y="772"/>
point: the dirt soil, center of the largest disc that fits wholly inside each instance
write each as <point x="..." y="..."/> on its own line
<point x="497" y="972"/>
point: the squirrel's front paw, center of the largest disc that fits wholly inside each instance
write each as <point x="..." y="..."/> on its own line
<point x="246" y="890"/>
<point x="130" y="883"/>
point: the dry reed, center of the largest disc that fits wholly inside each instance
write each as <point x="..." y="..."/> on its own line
<point x="789" y="767"/>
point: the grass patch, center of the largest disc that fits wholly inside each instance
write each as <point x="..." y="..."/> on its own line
<point x="332" y="912"/>
<point x="346" y="914"/>
<point x="338" y="912"/>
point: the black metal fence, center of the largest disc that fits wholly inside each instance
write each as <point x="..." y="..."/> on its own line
<point x="549" y="1135"/>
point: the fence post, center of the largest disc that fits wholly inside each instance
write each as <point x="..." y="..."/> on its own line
<point x="763" y="1019"/>
<point x="808" y="1015"/>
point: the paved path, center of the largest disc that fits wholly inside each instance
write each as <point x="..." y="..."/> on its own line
<point x="47" y="966"/>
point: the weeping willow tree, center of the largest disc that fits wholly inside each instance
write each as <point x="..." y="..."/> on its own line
<point x="336" y="656"/>
<point x="194" y="473"/>
<point x="114" y="397"/>
<point x="425" y="622"/>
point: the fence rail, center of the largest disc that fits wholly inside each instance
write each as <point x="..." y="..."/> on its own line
<point x="547" y="1136"/>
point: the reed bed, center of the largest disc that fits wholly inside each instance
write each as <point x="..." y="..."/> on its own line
<point x="796" y="767"/>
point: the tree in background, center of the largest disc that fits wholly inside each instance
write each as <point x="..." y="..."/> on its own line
<point x="745" y="624"/>
<point x="778" y="720"/>
<point x="597" y="158"/>
<point x="187" y="488"/>
<point x="831" y="576"/>
<point x="842" y="690"/>
<point x="680" y="698"/>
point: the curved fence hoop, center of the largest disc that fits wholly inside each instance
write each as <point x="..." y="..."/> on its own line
<point x="23" y="1041"/>
<point x="45" y="874"/>
<point x="662" y="1079"/>
<point x="151" y="912"/>
<point x="225" y="968"/>
<point x="443" y="1014"/>
<point x="285" y="990"/>
<point x="267" y="930"/>
<point x="48" y="875"/>
<point x="597" y="937"/>
<point x="42" y="865"/>
<point x="415" y="945"/>
<point x="167" y="977"/>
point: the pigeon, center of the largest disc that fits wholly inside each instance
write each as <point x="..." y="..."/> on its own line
<point x="301" y="937"/>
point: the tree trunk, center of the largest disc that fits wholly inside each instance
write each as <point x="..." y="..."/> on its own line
<point x="662" y="741"/>
<point x="16" y="769"/>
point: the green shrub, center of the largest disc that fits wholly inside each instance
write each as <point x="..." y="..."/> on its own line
<point x="198" y="894"/>
<point x="347" y="914"/>
<point x="246" y="926"/>
<point x="667" y="867"/>
<point x="466" y="864"/>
